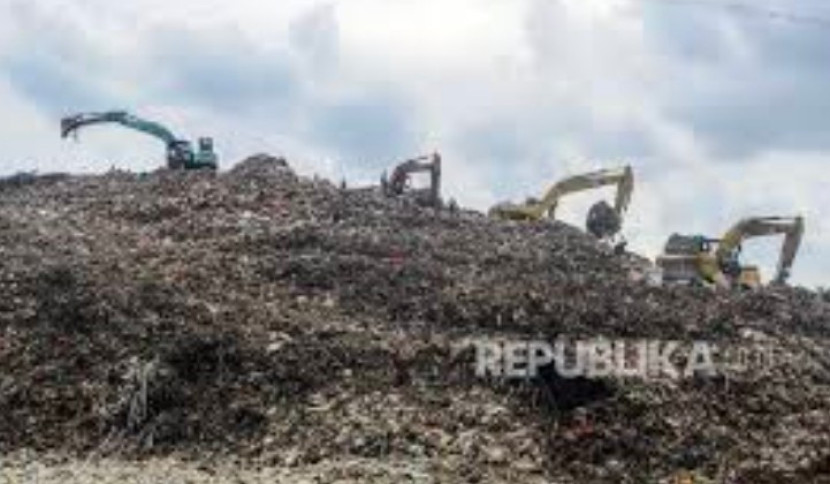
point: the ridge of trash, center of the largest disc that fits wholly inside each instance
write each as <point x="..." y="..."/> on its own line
<point x="289" y="320"/>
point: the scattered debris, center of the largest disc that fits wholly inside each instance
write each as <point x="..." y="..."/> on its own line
<point x="289" y="321"/>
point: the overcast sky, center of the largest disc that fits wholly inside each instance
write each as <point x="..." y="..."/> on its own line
<point x="720" y="106"/>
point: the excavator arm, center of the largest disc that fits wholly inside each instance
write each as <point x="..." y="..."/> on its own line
<point x="622" y="177"/>
<point x="70" y="125"/>
<point x="791" y="227"/>
<point x="603" y="221"/>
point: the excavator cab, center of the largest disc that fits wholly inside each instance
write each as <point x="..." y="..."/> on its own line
<point x="206" y="157"/>
<point x="730" y="264"/>
<point x="179" y="155"/>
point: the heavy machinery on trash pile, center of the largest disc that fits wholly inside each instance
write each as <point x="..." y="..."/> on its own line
<point x="180" y="153"/>
<point x="604" y="221"/>
<point x="400" y="182"/>
<point x="696" y="259"/>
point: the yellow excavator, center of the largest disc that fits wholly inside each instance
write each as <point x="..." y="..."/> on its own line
<point x="603" y="221"/>
<point x="693" y="259"/>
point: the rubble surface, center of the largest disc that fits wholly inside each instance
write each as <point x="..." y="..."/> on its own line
<point x="285" y="322"/>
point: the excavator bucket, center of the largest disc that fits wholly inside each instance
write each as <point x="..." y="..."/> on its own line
<point x="603" y="221"/>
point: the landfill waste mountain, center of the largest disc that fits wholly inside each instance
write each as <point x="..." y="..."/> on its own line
<point x="290" y="322"/>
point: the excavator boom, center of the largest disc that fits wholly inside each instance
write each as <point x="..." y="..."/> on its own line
<point x="623" y="178"/>
<point x="72" y="124"/>
<point x="791" y="227"/>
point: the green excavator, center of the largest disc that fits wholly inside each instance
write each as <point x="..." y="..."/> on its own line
<point x="180" y="153"/>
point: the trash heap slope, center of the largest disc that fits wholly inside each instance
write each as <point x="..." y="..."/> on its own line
<point x="287" y="320"/>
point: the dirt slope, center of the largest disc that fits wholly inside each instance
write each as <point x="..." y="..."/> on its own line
<point x="286" y="321"/>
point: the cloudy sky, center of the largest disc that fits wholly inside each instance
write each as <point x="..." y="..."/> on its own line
<point x="721" y="106"/>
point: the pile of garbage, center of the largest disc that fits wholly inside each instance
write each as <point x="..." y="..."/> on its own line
<point x="291" y="321"/>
